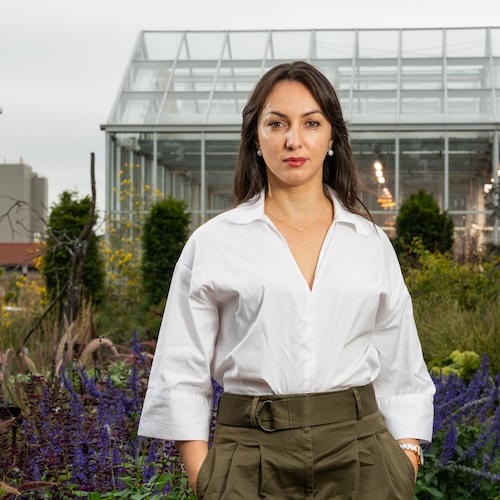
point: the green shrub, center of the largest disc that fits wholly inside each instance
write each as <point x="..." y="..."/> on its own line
<point x="456" y="306"/>
<point x="66" y="221"/>
<point x="464" y="364"/>
<point x="164" y="234"/>
<point x="441" y="277"/>
<point x="420" y="217"/>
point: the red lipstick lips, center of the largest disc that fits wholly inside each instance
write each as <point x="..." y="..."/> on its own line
<point x="295" y="161"/>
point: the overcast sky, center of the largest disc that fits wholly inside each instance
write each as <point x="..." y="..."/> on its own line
<point x="62" y="61"/>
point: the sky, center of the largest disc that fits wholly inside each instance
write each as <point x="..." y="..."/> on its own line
<point x="62" y="62"/>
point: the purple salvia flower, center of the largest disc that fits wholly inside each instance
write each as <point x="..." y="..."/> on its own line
<point x="449" y="444"/>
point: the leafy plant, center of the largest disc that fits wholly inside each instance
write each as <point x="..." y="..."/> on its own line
<point x="66" y="221"/>
<point x="420" y="217"/>
<point x="79" y="433"/>
<point x="463" y="461"/>
<point x="164" y="233"/>
<point x="464" y="364"/>
<point x="456" y="305"/>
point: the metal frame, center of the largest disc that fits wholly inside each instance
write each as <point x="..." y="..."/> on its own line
<point x="168" y="90"/>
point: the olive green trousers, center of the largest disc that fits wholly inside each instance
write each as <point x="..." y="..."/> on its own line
<point x="265" y="452"/>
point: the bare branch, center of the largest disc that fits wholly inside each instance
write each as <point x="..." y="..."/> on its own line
<point x="80" y="255"/>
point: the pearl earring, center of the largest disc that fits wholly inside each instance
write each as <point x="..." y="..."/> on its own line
<point x="259" y="152"/>
<point x="330" y="152"/>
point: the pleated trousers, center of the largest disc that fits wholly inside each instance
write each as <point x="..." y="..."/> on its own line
<point x="264" y="451"/>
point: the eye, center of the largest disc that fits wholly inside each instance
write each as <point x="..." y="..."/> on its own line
<point x="312" y="124"/>
<point x="276" y="124"/>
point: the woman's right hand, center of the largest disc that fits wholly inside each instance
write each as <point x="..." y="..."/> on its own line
<point x="193" y="454"/>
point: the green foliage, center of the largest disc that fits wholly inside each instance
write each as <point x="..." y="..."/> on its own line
<point x="454" y="482"/>
<point x="470" y="285"/>
<point x="66" y="221"/>
<point x="456" y="305"/>
<point x="164" y="234"/>
<point x="136" y="490"/>
<point x="420" y="217"/>
<point x="464" y="364"/>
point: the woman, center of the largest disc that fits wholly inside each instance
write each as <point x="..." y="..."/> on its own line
<point x="296" y="305"/>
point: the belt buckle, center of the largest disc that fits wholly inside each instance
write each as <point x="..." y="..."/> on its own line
<point x="264" y="403"/>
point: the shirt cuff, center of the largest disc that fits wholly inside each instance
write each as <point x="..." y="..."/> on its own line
<point x="408" y="416"/>
<point x="175" y="417"/>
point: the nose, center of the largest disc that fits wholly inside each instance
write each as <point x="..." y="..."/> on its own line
<point x="293" y="140"/>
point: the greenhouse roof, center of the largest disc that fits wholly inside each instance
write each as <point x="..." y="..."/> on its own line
<point x="202" y="79"/>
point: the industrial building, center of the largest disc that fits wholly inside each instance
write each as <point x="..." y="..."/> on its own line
<point x="23" y="203"/>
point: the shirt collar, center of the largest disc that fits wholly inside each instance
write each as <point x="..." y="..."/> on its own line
<point x="253" y="210"/>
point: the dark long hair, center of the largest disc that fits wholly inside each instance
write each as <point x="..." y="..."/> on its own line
<point x="339" y="171"/>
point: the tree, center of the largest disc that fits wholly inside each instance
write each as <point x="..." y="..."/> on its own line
<point x="420" y="217"/>
<point x="164" y="233"/>
<point x="72" y="262"/>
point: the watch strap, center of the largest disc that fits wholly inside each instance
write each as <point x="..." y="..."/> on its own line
<point x="415" y="448"/>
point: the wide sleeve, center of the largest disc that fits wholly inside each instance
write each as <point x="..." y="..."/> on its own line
<point x="178" y="403"/>
<point x="404" y="388"/>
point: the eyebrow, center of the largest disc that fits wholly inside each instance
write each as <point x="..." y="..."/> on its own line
<point x="283" y="115"/>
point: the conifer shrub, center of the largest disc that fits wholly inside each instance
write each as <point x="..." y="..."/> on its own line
<point x="420" y="217"/>
<point x="66" y="221"/>
<point x="164" y="234"/>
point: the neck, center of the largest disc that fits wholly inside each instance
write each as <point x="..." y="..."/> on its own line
<point x="300" y="203"/>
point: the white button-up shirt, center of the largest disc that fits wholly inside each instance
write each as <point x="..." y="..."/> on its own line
<point x="239" y="310"/>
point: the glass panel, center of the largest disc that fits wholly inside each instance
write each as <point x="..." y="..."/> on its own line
<point x="132" y="176"/>
<point x="374" y="154"/>
<point x="193" y="78"/>
<point x="466" y="43"/>
<point x="339" y="75"/>
<point x="185" y="108"/>
<point x="496" y="74"/>
<point x="137" y="108"/>
<point x="378" y="44"/>
<point x="179" y="160"/>
<point x="418" y="106"/>
<point x="372" y="107"/>
<point x="422" y="43"/>
<point x="421" y="165"/>
<point x="247" y="45"/>
<point x="468" y="76"/>
<point x="148" y="78"/>
<point x="376" y="77"/>
<point x="495" y="41"/>
<point x="158" y="45"/>
<point x="236" y="78"/>
<point x="225" y="110"/>
<point x="421" y="77"/>
<point x="334" y="45"/>
<point x="470" y="181"/>
<point x="203" y="46"/>
<point x="470" y="105"/>
<point x="221" y="151"/>
<point x="291" y="45"/>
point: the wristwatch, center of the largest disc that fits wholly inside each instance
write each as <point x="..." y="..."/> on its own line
<point x="415" y="448"/>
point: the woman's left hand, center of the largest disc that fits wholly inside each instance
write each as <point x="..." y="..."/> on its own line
<point x="410" y="454"/>
<point x="414" y="461"/>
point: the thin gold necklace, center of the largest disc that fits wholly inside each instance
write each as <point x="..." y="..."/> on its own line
<point x="299" y="229"/>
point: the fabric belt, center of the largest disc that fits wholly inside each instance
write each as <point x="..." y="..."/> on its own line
<point x="279" y="412"/>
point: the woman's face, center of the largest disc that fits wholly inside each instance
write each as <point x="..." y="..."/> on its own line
<point x="294" y="136"/>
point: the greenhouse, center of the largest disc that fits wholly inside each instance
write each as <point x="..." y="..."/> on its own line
<point x="423" y="107"/>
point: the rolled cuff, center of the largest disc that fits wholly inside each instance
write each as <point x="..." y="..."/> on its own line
<point x="174" y="417"/>
<point x="408" y="416"/>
